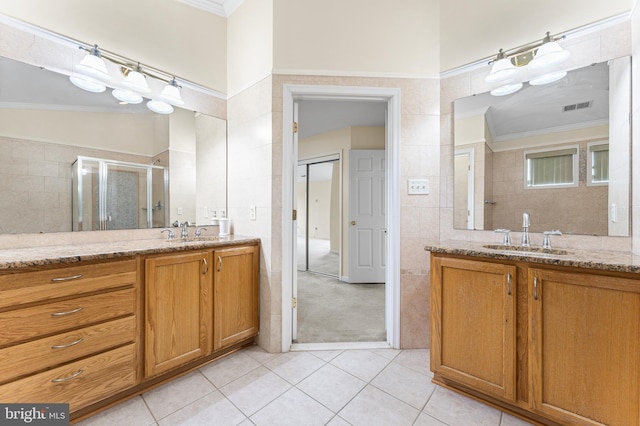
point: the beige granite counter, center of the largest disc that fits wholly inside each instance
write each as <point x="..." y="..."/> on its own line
<point x="615" y="261"/>
<point x="11" y="259"/>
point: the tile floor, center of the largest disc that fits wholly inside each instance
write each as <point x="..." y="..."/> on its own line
<point x="343" y="387"/>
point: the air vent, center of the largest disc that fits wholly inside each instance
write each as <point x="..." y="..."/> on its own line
<point x="579" y="105"/>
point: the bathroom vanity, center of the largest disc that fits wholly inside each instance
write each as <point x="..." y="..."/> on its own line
<point x="551" y="337"/>
<point x="91" y="325"/>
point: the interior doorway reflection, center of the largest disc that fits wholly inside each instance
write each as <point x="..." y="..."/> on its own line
<point x="318" y="192"/>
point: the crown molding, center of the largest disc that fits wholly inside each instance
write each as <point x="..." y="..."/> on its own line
<point x="222" y="8"/>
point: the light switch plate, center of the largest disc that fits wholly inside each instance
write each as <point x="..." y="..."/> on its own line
<point x="418" y="186"/>
<point x="252" y="213"/>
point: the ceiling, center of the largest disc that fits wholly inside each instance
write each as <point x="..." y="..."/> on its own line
<point x="540" y="109"/>
<point x="219" y="7"/>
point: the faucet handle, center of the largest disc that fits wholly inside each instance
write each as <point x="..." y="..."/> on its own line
<point x="506" y="239"/>
<point x="171" y="235"/>
<point x="199" y="231"/>
<point x="546" y="239"/>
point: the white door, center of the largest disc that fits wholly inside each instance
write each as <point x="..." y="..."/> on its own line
<point x="367" y="216"/>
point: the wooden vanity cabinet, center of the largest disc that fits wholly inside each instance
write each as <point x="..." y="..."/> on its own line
<point x="473" y="324"/>
<point x="579" y="361"/>
<point x="235" y="295"/>
<point x="584" y="342"/>
<point x="69" y="334"/>
<point x="178" y="306"/>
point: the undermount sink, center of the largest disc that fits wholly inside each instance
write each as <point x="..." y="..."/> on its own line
<point x="194" y="239"/>
<point x="523" y="249"/>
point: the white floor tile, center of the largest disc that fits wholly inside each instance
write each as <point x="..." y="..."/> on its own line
<point x="363" y="364"/>
<point x="228" y="369"/>
<point x="426" y="420"/>
<point x="338" y="421"/>
<point x="176" y="394"/>
<point x="332" y="387"/>
<point x="295" y="366"/>
<point x="255" y="390"/>
<point x="293" y="408"/>
<point x="407" y="385"/>
<point x="260" y="355"/>
<point x="133" y="412"/>
<point x="415" y="359"/>
<point x="372" y="407"/>
<point x="213" y="408"/>
<point x="458" y="410"/>
<point x="509" y="420"/>
<point x="326" y="356"/>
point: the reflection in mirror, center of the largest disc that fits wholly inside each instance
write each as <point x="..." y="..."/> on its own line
<point x="46" y="124"/>
<point x="560" y="152"/>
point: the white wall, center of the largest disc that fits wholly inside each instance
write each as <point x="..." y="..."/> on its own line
<point x="164" y="34"/>
<point x="373" y="37"/>
<point x="250" y="44"/>
<point x="471" y="30"/>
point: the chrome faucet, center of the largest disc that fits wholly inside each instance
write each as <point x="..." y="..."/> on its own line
<point x="525" y="230"/>
<point x="199" y="231"/>
<point x="185" y="232"/>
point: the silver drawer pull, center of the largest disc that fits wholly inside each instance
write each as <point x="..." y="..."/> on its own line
<point x="219" y="263"/>
<point x="60" y="279"/>
<point x="535" y="288"/>
<point x="64" y="379"/>
<point x="509" y="284"/>
<point x="61" y="314"/>
<point x="80" y="340"/>
<point x="206" y="266"/>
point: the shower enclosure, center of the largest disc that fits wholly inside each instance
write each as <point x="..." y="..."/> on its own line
<point x="109" y="194"/>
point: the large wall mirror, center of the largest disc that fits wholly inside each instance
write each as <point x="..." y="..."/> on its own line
<point x="560" y="152"/>
<point x="47" y="125"/>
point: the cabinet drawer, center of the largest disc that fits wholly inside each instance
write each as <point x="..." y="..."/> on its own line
<point x="27" y="323"/>
<point x="18" y="288"/>
<point x="20" y="360"/>
<point x="80" y="383"/>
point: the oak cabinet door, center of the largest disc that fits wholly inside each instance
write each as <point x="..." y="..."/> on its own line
<point x="178" y="306"/>
<point x="473" y="325"/>
<point x="235" y="296"/>
<point x="584" y="351"/>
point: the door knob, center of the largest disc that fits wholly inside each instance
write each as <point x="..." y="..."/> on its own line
<point x="353" y="223"/>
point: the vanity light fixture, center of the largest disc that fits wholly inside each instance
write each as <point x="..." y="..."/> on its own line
<point x="537" y="62"/>
<point x="550" y="53"/>
<point x="135" y="80"/>
<point x="171" y="93"/>
<point x="90" y="71"/>
<point x="159" y="107"/>
<point x="92" y="74"/>
<point x="502" y="69"/>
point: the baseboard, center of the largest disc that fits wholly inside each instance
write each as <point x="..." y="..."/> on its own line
<point x="332" y="346"/>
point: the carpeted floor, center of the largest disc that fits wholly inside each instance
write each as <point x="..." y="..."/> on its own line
<point x="333" y="311"/>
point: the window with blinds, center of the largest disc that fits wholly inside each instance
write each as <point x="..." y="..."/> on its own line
<point x="552" y="168"/>
<point x="598" y="163"/>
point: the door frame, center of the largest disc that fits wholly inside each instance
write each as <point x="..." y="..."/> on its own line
<point x="295" y="92"/>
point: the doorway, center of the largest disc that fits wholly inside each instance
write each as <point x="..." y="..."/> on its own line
<point x="390" y="98"/>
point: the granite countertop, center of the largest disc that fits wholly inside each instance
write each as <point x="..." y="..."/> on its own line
<point x="614" y="261"/>
<point x="11" y="259"/>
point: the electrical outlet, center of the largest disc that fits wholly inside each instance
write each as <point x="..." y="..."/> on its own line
<point x="252" y="213"/>
<point x="418" y="186"/>
<point x="206" y="211"/>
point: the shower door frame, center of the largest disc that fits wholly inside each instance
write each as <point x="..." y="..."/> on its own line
<point x="102" y="189"/>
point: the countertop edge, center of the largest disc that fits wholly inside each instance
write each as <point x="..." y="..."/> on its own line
<point x="602" y="260"/>
<point x="12" y="260"/>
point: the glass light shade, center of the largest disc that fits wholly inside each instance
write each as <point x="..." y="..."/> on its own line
<point x="547" y="78"/>
<point x="159" y="107"/>
<point x="507" y="89"/>
<point x="136" y="81"/>
<point x="127" y="96"/>
<point x="87" y="83"/>
<point x="93" y="66"/>
<point x="549" y="54"/>
<point x="502" y="70"/>
<point x="171" y="94"/>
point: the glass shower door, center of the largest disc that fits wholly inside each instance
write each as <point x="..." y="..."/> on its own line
<point x="126" y="197"/>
